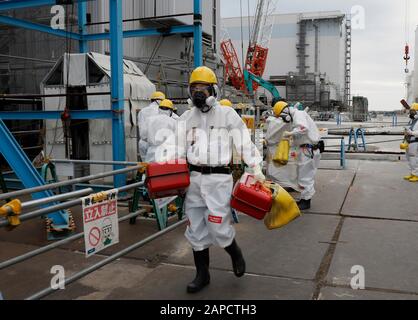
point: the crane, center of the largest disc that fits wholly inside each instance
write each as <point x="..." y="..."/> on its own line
<point x="251" y="78"/>
<point x="233" y="71"/>
<point x="407" y="57"/>
<point x="260" y="38"/>
<point x="257" y="52"/>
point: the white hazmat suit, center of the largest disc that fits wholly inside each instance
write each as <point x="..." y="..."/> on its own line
<point x="210" y="140"/>
<point x="158" y="134"/>
<point x="143" y="115"/>
<point x="412" y="152"/>
<point x="300" y="173"/>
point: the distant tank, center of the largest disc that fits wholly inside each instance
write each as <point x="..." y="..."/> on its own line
<point x="360" y="109"/>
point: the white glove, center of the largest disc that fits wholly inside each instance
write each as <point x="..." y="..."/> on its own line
<point x="287" y="134"/>
<point x="258" y="173"/>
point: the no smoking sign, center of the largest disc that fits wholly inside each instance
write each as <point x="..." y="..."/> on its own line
<point x="94" y="236"/>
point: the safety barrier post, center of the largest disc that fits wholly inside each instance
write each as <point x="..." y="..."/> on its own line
<point x="394" y="119"/>
<point x="339" y="119"/>
<point x="342" y="156"/>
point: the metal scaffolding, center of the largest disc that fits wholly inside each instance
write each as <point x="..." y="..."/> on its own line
<point x="347" y="88"/>
<point x="13" y="153"/>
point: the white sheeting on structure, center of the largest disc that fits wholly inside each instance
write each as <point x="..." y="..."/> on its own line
<point x="75" y="68"/>
<point x="75" y="71"/>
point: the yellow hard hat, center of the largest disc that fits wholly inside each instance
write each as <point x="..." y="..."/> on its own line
<point x="203" y="75"/>
<point x="158" y="95"/>
<point x="279" y="107"/>
<point x="414" y="106"/>
<point x="226" y="103"/>
<point x="167" y="104"/>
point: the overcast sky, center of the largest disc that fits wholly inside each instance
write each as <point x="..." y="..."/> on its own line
<point x="377" y="51"/>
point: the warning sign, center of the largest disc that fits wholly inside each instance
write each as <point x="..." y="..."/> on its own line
<point x="100" y="218"/>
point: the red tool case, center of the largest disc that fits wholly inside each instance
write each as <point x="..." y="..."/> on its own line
<point x="252" y="198"/>
<point x="167" y="179"/>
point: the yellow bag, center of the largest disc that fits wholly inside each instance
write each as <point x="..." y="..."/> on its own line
<point x="282" y="152"/>
<point x="283" y="211"/>
<point x="404" y="145"/>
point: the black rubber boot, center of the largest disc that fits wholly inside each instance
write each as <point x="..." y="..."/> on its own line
<point x="201" y="260"/>
<point x="238" y="262"/>
<point x="304" y="204"/>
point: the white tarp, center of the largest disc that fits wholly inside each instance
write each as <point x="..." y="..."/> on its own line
<point x="76" y="65"/>
<point x="137" y="90"/>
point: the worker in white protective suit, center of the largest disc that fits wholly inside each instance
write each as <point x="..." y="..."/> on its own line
<point x="289" y="122"/>
<point x="411" y="135"/>
<point x="212" y="131"/>
<point x="143" y="115"/>
<point x="159" y="132"/>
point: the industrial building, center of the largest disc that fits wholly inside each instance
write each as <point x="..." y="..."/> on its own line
<point x="411" y="80"/>
<point x="309" y="56"/>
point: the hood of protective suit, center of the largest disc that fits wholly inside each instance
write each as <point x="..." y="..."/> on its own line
<point x="167" y="113"/>
<point x="302" y="119"/>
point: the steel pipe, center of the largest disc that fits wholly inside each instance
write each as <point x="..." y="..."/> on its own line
<point x="36" y="95"/>
<point x="119" y="163"/>
<point x="25" y="132"/>
<point x="54" y="245"/>
<point x="51" y="186"/>
<point x="60" y="197"/>
<point x="106" y="261"/>
<point x="62" y="206"/>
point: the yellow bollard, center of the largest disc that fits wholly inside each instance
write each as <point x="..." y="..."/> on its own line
<point x="12" y="211"/>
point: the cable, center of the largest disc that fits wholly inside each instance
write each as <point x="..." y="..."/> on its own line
<point x="242" y="35"/>
<point x="407" y="21"/>
<point x="68" y="49"/>
<point x="249" y="21"/>
<point x="154" y="53"/>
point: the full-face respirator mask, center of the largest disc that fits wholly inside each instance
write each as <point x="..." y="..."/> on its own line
<point x="204" y="97"/>
<point x="285" y="115"/>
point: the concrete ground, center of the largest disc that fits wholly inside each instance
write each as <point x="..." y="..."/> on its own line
<point x="363" y="216"/>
